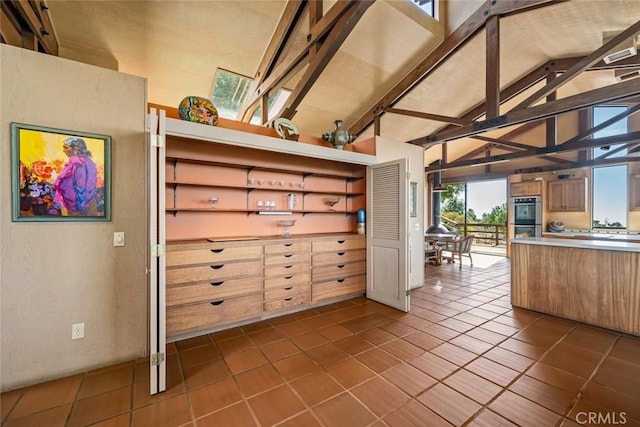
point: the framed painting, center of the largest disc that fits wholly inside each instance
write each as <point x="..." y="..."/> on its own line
<point x="59" y="175"/>
<point x="413" y="199"/>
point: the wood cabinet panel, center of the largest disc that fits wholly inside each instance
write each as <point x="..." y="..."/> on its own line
<point x="214" y="272"/>
<point x="525" y="188"/>
<point x="194" y="292"/>
<point x="286" y="270"/>
<point x="281" y="304"/>
<point x="290" y="247"/>
<point x="338" y="244"/>
<point x="338" y="271"/>
<point x="284" y="293"/>
<point x="294" y="279"/>
<point x="212" y="253"/>
<point x="189" y="318"/>
<point x="601" y="289"/>
<point x="568" y="195"/>
<point x="338" y="257"/>
<point x="286" y="259"/>
<point x="333" y="288"/>
<point x="634" y="192"/>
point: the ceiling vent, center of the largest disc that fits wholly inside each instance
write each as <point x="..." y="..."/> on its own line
<point x="624" y="50"/>
<point x="624" y="75"/>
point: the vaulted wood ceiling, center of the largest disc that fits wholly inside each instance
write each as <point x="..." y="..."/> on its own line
<point x="381" y="66"/>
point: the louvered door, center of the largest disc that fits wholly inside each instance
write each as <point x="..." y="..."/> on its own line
<point x="387" y="237"/>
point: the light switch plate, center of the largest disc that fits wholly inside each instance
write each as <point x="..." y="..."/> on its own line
<point x="118" y="238"/>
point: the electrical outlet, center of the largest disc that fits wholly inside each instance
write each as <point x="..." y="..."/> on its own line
<point x="77" y="331"/>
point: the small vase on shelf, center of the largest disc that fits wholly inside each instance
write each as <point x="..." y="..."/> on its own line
<point x="339" y="137"/>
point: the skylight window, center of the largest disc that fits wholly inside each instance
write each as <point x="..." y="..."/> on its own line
<point x="427" y="6"/>
<point x="602" y="114"/>
<point x="231" y="89"/>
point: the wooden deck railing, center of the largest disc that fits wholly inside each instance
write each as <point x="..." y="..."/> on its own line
<point x="487" y="234"/>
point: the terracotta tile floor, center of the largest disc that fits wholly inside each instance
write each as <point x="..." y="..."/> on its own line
<point x="462" y="356"/>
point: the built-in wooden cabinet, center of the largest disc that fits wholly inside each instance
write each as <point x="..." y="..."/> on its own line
<point x="525" y="188"/>
<point x="287" y="275"/>
<point x="567" y="195"/>
<point x="338" y="267"/>
<point x="634" y="192"/>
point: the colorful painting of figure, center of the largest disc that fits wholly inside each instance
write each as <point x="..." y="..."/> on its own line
<point x="60" y="175"/>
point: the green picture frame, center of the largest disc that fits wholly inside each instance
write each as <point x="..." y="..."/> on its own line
<point x="59" y="175"/>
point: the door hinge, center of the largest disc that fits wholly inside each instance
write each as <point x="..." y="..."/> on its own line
<point x="157" y="141"/>
<point x="157" y="359"/>
<point x="407" y="292"/>
<point x="157" y="250"/>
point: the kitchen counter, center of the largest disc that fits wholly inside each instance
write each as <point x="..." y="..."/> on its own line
<point x="611" y="244"/>
<point x="593" y="236"/>
<point x="592" y="281"/>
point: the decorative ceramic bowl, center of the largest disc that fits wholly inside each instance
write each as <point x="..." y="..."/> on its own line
<point x="199" y="110"/>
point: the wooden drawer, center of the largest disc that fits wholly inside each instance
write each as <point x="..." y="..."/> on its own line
<point x="290" y="247"/>
<point x="284" y="293"/>
<point x="338" y="271"/>
<point x="286" y="270"/>
<point x="336" y="288"/>
<point x="187" y="318"/>
<point x="338" y="244"/>
<point x="294" y="279"/>
<point x="202" y="291"/>
<point x="213" y="253"/>
<point x="214" y="272"/>
<point x="339" y="257"/>
<point x="281" y="259"/>
<point x="299" y="299"/>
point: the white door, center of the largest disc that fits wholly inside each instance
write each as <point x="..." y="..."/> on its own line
<point x="157" y="331"/>
<point x="387" y="235"/>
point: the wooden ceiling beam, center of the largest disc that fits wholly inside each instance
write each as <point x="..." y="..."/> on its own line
<point x="436" y="117"/>
<point x="503" y="142"/>
<point x="563" y="64"/>
<point x="631" y="137"/>
<point x="617" y="150"/>
<point x="492" y="68"/>
<point x="590" y="131"/>
<point x="605" y="94"/>
<point x="450" y="45"/>
<point x="35" y="20"/>
<point x="579" y="67"/>
<point x="578" y="164"/>
<point x="334" y="39"/>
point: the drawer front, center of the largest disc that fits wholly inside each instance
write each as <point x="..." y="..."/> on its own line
<point x="299" y="299"/>
<point x="287" y="248"/>
<point x="213" y="253"/>
<point x="286" y="270"/>
<point x="336" y="288"/>
<point x="203" y="291"/>
<point x="338" y="244"/>
<point x="285" y="259"/>
<point x="283" y="282"/>
<point x="214" y="272"/>
<point x="187" y="318"/>
<point x="339" y="257"/>
<point x="338" y="271"/>
<point x="284" y="293"/>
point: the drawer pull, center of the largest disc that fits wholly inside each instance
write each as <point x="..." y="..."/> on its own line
<point x="341" y="253"/>
<point x="341" y="241"/>
<point x="288" y="299"/>
<point x="217" y="251"/>
<point x="288" y="255"/>
<point x="289" y="288"/>
<point x="287" y="277"/>
<point x="288" y="266"/>
<point x="340" y="280"/>
<point x="216" y="267"/>
<point x="288" y="244"/>
<point x="340" y="265"/>
<point x="216" y="283"/>
<point x="217" y="302"/>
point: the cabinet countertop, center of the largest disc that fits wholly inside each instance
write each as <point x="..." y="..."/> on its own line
<point x="262" y="239"/>
<point x="607" y="245"/>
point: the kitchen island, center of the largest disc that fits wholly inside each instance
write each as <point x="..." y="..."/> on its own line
<point x="592" y="281"/>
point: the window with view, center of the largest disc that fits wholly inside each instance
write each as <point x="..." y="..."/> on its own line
<point x="231" y="89"/>
<point x="427" y="6"/>
<point x="610" y="197"/>
<point x="602" y="114"/>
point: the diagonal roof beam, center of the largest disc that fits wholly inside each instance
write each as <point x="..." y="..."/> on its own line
<point x="450" y="45"/>
<point x="515" y="146"/>
<point x="631" y="137"/>
<point x="338" y="34"/>
<point x="576" y="139"/>
<point x="579" y="67"/>
<point x="436" y="117"/>
<point x="617" y="150"/>
<point x="605" y="94"/>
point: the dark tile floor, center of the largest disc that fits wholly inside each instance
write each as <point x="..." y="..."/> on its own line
<point x="462" y="356"/>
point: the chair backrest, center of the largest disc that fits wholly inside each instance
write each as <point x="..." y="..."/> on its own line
<point x="466" y="244"/>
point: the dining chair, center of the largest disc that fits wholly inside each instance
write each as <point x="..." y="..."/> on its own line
<point x="459" y="247"/>
<point x="432" y="252"/>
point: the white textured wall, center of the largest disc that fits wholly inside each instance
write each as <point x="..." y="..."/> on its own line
<point x="56" y="274"/>
<point x="388" y="150"/>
